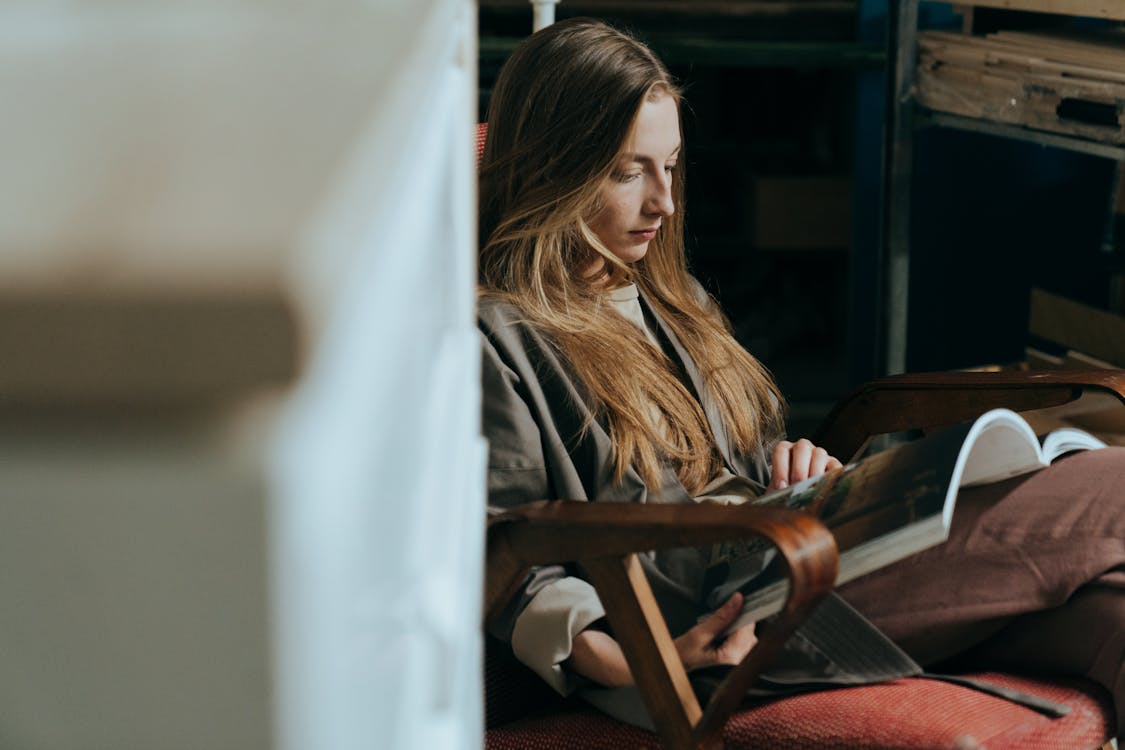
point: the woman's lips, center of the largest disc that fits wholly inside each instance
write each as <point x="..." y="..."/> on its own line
<point x="643" y="235"/>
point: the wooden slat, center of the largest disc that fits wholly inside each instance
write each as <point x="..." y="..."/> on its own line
<point x="552" y="531"/>
<point x="989" y="97"/>
<point x="1112" y="9"/>
<point x="639" y="628"/>
<point x="1094" y="332"/>
<point x="1096" y="413"/>
<point x="811" y="576"/>
<point x="994" y="51"/>
<point x="1089" y="48"/>
<point x="503" y="574"/>
<point x="1030" y="86"/>
<point x="925" y="400"/>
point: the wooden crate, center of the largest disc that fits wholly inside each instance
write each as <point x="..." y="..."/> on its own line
<point x="1063" y="82"/>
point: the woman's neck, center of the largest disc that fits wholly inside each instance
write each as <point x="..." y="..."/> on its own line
<point x="600" y="276"/>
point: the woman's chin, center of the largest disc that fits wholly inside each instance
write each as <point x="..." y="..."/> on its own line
<point x="632" y="253"/>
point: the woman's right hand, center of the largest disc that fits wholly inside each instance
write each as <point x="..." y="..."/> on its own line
<point x="705" y="646"/>
<point x="598" y="656"/>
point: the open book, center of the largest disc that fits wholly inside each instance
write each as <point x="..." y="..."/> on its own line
<point x="890" y="505"/>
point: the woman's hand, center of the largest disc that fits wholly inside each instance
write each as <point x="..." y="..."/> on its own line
<point x="598" y="656"/>
<point x="705" y="646"/>
<point x="796" y="462"/>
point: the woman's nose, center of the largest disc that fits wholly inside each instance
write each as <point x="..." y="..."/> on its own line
<point x="660" y="201"/>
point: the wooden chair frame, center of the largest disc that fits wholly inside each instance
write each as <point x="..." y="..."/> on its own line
<point x="604" y="538"/>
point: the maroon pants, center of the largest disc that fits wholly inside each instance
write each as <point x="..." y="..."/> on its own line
<point x="1032" y="577"/>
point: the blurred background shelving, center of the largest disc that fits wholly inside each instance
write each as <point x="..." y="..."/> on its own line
<point x="1004" y="154"/>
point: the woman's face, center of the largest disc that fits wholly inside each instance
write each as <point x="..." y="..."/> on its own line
<point x="637" y="196"/>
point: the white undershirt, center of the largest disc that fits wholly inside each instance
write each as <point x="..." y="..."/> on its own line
<point x="626" y="300"/>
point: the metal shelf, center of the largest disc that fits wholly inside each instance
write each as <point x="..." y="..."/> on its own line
<point x="731" y="8"/>
<point x="704" y="51"/>
<point x="735" y="52"/>
<point x="1005" y="130"/>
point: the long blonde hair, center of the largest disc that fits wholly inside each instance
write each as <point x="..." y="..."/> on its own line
<point x="560" y="113"/>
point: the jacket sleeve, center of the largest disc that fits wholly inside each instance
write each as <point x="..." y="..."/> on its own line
<point x="552" y="606"/>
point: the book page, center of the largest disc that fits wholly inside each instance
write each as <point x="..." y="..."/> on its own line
<point x="1067" y="439"/>
<point x="881" y="509"/>
<point x="1001" y="445"/>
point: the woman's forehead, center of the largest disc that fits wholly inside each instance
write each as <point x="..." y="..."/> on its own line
<point x="655" y="134"/>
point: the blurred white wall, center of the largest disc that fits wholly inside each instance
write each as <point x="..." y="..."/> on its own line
<point x="381" y="470"/>
<point x="177" y="142"/>
<point x="296" y="565"/>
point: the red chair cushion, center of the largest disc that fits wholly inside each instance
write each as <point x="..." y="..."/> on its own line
<point x="511" y="690"/>
<point x="482" y="132"/>
<point x="909" y="713"/>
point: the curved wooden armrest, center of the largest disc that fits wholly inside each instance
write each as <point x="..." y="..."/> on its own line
<point x="605" y="537"/>
<point x="923" y="400"/>
<point x="557" y="531"/>
<point x="561" y="530"/>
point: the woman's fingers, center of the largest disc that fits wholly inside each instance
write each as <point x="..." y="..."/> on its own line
<point x="697" y="647"/>
<point x="801" y="459"/>
<point x="818" y="463"/>
<point x="780" y="462"/>
<point x="737" y="645"/>
<point x="796" y="462"/>
<point x="718" y="621"/>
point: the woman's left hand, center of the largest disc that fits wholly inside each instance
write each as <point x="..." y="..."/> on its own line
<point x="796" y="462"/>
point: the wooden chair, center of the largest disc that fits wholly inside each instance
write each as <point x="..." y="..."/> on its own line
<point x="913" y="712"/>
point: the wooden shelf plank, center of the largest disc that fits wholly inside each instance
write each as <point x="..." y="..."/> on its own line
<point x="1111" y="9"/>
<point x="735" y="52"/>
<point x="752" y="8"/>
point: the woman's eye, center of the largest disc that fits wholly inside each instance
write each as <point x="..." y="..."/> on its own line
<point x="627" y="176"/>
<point x="669" y="167"/>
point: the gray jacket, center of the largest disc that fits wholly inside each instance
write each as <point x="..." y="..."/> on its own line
<point x="534" y="414"/>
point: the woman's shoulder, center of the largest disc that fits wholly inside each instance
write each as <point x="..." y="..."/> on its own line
<point x="495" y="312"/>
<point x="506" y="325"/>
<point x="510" y="339"/>
<point x="491" y="305"/>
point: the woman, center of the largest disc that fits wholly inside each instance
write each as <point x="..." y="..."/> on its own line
<point x="609" y="374"/>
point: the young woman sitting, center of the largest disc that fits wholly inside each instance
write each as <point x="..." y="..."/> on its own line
<point x="610" y="375"/>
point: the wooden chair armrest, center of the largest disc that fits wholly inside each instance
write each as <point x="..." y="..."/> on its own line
<point x="605" y="537"/>
<point x="556" y="531"/>
<point x="924" y="400"/>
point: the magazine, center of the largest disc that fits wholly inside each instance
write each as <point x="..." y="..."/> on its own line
<point x="889" y="505"/>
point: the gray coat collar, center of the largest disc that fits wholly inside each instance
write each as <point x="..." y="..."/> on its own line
<point x="698" y="384"/>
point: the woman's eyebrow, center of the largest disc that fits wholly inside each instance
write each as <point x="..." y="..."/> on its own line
<point x="647" y="159"/>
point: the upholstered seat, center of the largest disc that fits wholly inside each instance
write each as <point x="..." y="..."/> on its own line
<point x="908" y="713"/>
